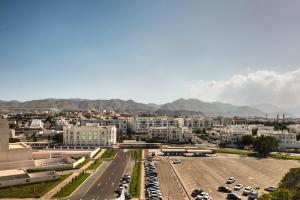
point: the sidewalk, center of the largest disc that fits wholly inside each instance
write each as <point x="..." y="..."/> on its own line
<point x="142" y="189"/>
<point x="57" y="188"/>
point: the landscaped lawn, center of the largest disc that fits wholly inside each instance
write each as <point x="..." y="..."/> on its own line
<point x="33" y="190"/>
<point x="95" y="165"/>
<point x="135" y="182"/>
<point x="236" y="151"/>
<point x="109" y="153"/>
<point x="72" y="186"/>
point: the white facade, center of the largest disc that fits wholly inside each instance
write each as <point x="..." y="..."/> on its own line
<point x="284" y="138"/>
<point x="170" y="134"/>
<point x="120" y="124"/>
<point x="294" y="128"/>
<point x="198" y="123"/>
<point x="90" y="135"/>
<point x="37" y="123"/>
<point x="143" y="124"/>
<point x="234" y="133"/>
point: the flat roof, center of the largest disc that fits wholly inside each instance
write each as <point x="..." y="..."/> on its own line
<point x="18" y="146"/>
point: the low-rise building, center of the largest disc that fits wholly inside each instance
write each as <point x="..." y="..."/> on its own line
<point x="143" y="124"/>
<point x="37" y="124"/>
<point x="120" y="124"/>
<point x="170" y="134"/>
<point x="90" y="135"/>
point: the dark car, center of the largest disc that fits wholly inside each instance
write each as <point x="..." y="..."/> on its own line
<point x="224" y="189"/>
<point x="196" y="192"/>
<point x="232" y="196"/>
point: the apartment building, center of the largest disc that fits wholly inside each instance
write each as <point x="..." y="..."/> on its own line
<point x="120" y="124"/>
<point x="198" y="123"/>
<point x="284" y="138"/>
<point x="234" y="133"/>
<point x="90" y="135"/>
<point x="170" y="134"/>
<point x="141" y="125"/>
<point x="294" y="128"/>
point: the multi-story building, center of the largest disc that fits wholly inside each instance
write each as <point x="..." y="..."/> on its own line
<point x="198" y="123"/>
<point x="170" y="134"/>
<point x="120" y="124"/>
<point x="294" y="128"/>
<point x="90" y="135"/>
<point x="234" y="133"/>
<point x="143" y="124"/>
<point x="284" y="138"/>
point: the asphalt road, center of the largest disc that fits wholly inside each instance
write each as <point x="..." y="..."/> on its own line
<point x="106" y="184"/>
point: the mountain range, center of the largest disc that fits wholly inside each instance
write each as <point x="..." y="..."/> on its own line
<point x="180" y="106"/>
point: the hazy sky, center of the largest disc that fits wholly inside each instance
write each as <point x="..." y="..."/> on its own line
<point x="235" y="51"/>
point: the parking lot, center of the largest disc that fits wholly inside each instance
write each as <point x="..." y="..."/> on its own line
<point x="208" y="173"/>
<point x="169" y="185"/>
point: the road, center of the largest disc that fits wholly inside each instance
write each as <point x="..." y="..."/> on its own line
<point x="105" y="185"/>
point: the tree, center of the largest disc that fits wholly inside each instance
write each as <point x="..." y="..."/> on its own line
<point x="281" y="194"/>
<point x="265" y="197"/>
<point x="264" y="145"/>
<point x="247" y="140"/>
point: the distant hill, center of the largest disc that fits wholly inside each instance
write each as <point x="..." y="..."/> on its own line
<point x="78" y="104"/>
<point x="180" y="107"/>
<point x="214" y="108"/>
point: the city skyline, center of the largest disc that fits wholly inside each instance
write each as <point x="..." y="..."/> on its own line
<point x="151" y="52"/>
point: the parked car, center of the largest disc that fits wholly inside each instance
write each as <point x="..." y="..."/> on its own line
<point x="230" y="180"/>
<point x="224" y="189"/>
<point x="238" y="186"/>
<point x="253" y="196"/>
<point x="233" y="196"/>
<point x="247" y="190"/>
<point x="196" y="192"/>
<point x="270" y="188"/>
<point x="176" y="161"/>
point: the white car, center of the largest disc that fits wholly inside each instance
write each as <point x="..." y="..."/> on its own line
<point x="238" y="186"/>
<point x="230" y="180"/>
<point x="203" y="196"/>
<point x="247" y="190"/>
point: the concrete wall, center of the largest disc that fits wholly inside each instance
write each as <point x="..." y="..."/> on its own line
<point x="17" y="154"/>
<point x="78" y="162"/>
<point x="93" y="153"/>
<point x="50" y="176"/>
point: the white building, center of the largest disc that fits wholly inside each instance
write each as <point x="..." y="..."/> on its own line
<point x="294" y="128"/>
<point x="234" y="133"/>
<point x="198" y="123"/>
<point x="284" y="138"/>
<point x="90" y="135"/>
<point x="143" y="124"/>
<point x="120" y="124"/>
<point x="170" y="134"/>
<point x="37" y="124"/>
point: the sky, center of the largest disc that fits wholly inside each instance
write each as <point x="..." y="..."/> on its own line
<point x="240" y="52"/>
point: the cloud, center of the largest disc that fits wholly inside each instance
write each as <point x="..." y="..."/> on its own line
<point x="281" y="89"/>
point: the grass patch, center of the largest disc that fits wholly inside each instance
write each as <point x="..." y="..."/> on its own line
<point x="236" y="151"/>
<point x="32" y="190"/>
<point x="137" y="155"/>
<point x="284" y="156"/>
<point x="109" y="153"/>
<point x="72" y="186"/>
<point x="135" y="183"/>
<point x="95" y="165"/>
